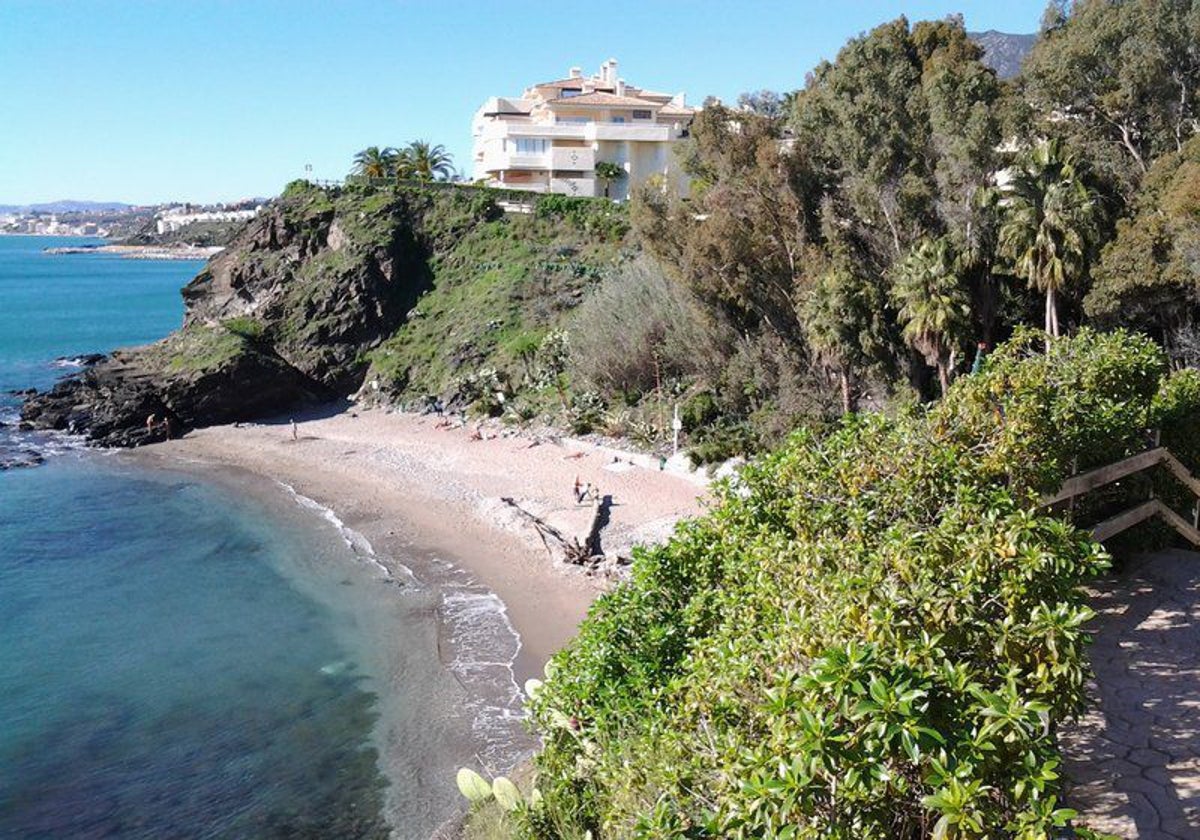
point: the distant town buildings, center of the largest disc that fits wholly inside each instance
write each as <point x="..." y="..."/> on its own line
<point x="583" y="135"/>
<point x="124" y="221"/>
<point x="43" y="224"/>
<point x="173" y="218"/>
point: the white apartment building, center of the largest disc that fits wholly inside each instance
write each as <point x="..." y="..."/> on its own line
<point x="551" y="137"/>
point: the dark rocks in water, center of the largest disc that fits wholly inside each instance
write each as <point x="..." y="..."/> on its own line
<point x="20" y="458"/>
<point x="112" y="403"/>
<point x="22" y="392"/>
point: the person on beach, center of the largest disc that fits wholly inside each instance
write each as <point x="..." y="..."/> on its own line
<point x="151" y="424"/>
<point x="576" y="492"/>
<point x="295" y="431"/>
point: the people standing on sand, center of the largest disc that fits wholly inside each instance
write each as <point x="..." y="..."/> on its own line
<point x="151" y="423"/>
<point x="295" y="431"/>
<point x="577" y="489"/>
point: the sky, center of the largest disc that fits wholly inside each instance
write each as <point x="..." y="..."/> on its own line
<point x="218" y="100"/>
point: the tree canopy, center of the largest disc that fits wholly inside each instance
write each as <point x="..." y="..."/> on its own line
<point x="1120" y="79"/>
<point x="1149" y="274"/>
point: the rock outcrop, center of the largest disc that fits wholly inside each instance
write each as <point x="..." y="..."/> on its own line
<point x="283" y="316"/>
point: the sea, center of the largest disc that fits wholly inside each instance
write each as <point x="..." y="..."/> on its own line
<point x="194" y="652"/>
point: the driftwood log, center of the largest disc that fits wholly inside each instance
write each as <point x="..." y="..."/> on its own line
<point x="570" y="549"/>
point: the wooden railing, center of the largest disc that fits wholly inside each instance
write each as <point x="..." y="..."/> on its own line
<point x="1085" y="482"/>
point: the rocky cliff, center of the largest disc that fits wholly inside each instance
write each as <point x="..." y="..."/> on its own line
<point x="281" y="317"/>
<point x="322" y="288"/>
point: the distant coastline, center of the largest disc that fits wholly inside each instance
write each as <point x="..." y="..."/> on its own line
<point x="142" y="252"/>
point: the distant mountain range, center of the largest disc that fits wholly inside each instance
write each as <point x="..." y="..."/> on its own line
<point x="66" y="206"/>
<point x="1003" y="51"/>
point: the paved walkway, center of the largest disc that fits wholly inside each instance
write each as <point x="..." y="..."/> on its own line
<point x="1134" y="761"/>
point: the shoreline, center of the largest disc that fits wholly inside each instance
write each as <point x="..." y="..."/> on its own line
<point x="412" y="489"/>
<point x="141" y="252"/>
<point x="424" y="503"/>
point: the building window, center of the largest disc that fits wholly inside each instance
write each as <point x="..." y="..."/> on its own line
<point x="618" y="119"/>
<point x="567" y="93"/>
<point x="642" y="115"/>
<point x="531" y="145"/>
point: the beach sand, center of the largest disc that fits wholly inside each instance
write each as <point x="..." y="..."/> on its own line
<point x="412" y="488"/>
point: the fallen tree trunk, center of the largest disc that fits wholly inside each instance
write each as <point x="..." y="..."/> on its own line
<point x="570" y="549"/>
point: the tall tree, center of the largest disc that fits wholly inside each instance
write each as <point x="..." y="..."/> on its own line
<point x="843" y="314"/>
<point x="740" y="245"/>
<point x="903" y="123"/>
<point x="765" y="103"/>
<point x="1049" y="219"/>
<point x="375" y="162"/>
<point x="1122" y="79"/>
<point x="422" y="161"/>
<point x="934" y="305"/>
<point x="1148" y="276"/>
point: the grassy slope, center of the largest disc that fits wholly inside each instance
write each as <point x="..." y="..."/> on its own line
<point x="500" y="285"/>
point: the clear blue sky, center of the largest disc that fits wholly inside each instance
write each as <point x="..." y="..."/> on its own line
<point x="213" y="100"/>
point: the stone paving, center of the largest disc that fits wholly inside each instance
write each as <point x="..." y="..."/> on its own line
<point x="1133" y="761"/>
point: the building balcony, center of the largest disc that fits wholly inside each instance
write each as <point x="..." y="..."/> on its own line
<point x="630" y="132"/>
<point x="576" y="158"/>
<point x="588" y="132"/>
<point x="584" y="187"/>
<point x="580" y="158"/>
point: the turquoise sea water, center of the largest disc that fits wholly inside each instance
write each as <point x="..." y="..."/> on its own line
<point x="204" y="654"/>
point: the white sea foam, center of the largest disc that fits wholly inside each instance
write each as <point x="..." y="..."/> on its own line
<point x="483" y="644"/>
<point x="484" y="648"/>
<point x="355" y="541"/>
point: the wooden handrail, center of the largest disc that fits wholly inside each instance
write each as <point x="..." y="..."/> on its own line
<point x="1181" y="472"/>
<point x="1090" y="480"/>
<point x="1126" y="519"/>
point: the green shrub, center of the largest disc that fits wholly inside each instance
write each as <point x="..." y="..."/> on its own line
<point x="637" y="331"/>
<point x="1177" y="415"/>
<point x="698" y="411"/>
<point x="719" y="442"/>
<point x="245" y="327"/>
<point x="874" y="633"/>
<point x="585" y="412"/>
<point x="597" y="216"/>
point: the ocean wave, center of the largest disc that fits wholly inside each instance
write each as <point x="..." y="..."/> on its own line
<point x="25" y="448"/>
<point x="484" y="647"/>
<point x="482" y="644"/>
<point x="358" y="544"/>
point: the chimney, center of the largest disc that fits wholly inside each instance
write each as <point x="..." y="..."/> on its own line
<point x="620" y="87"/>
<point x="576" y="72"/>
<point x="679" y="100"/>
<point x="612" y="71"/>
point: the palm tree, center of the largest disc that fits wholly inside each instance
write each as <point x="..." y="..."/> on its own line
<point x="934" y="307"/>
<point x="423" y="161"/>
<point x="832" y="331"/>
<point x="1049" y="215"/>
<point x="609" y="172"/>
<point x="374" y="162"/>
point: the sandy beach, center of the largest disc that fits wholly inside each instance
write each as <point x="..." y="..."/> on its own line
<point x="411" y="487"/>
